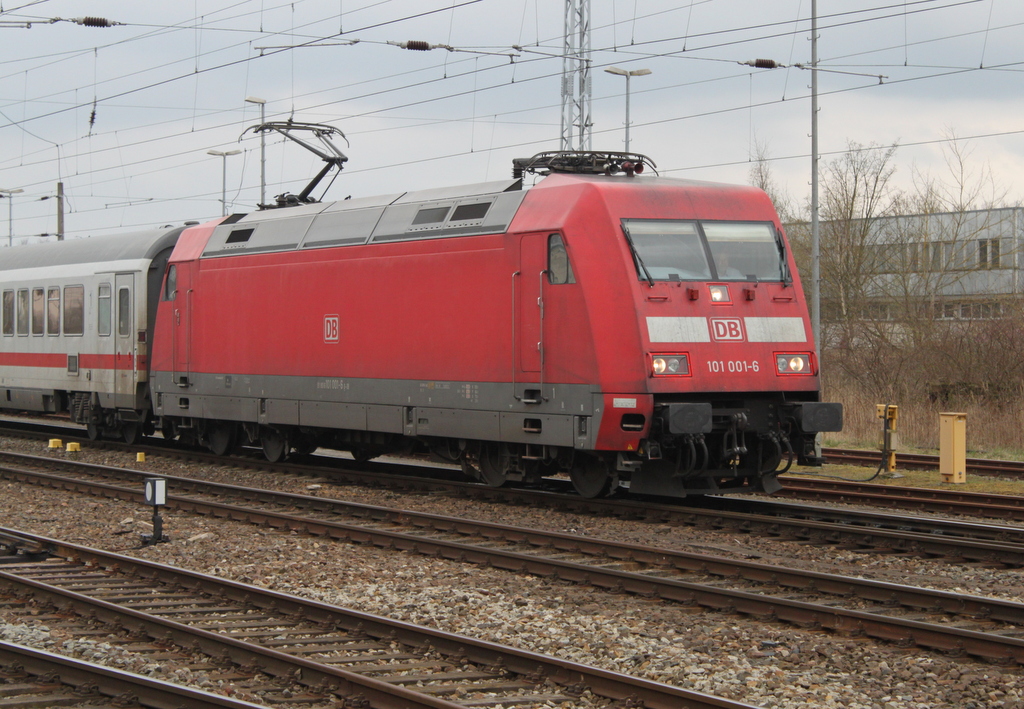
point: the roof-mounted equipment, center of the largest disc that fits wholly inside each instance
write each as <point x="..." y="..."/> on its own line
<point x="327" y="151"/>
<point x="582" y="162"/>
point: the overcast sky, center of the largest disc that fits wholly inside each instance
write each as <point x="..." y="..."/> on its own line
<point x="125" y="115"/>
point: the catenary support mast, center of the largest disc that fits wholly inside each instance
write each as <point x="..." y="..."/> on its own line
<point x="576" y="77"/>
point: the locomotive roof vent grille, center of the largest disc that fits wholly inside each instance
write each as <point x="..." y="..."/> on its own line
<point x="583" y="162"/>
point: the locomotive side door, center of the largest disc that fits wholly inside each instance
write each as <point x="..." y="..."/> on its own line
<point x="529" y="303"/>
<point x="179" y="289"/>
<point x="125" y="361"/>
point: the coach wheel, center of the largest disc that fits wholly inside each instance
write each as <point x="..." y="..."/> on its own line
<point x="304" y="446"/>
<point x="131" y="432"/>
<point x="221" y="438"/>
<point x="168" y="430"/>
<point x="93" y="432"/>
<point x="275" y="445"/>
<point x="494" y="462"/>
<point x="592" y="477"/>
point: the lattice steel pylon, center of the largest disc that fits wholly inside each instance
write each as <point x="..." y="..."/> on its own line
<point x="576" y="76"/>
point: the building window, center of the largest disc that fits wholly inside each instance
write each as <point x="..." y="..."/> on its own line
<point x="988" y="253"/>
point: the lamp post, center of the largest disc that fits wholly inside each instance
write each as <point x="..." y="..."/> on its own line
<point x="622" y="72"/>
<point x="10" y="213"/>
<point x="224" y="177"/>
<point x="263" y="147"/>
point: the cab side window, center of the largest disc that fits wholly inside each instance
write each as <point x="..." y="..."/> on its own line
<point x="559" y="268"/>
<point x="171" y="286"/>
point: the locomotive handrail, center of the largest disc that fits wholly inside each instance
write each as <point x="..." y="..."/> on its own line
<point x="514" y="350"/>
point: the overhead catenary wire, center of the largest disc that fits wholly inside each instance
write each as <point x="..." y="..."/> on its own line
<point x="447" y="96"/>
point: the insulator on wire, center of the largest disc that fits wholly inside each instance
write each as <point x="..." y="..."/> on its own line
<point x="93" y="22"/>
<point x="416" y="45"/>
<point x="766" y="64"/>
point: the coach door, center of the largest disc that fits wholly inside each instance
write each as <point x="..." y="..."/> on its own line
<point x="125" y="361"/>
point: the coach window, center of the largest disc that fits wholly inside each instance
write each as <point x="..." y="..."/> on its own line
<point x="559" y="268"/>
<point x="8" y="312"/>
<point x="103" y="310"/>
<point x="124" y="312"/>
<point x="23" y="311"/>
<point x="74" y="310"/>
<point x="53" y="311"/>
<point x="171" y="287"/>
<point x="38" y="310"/>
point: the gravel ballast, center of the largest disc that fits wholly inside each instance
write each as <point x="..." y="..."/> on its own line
<point x="765" y="664"/>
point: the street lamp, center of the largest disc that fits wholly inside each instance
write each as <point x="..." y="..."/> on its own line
<point x="263" y="147"/>
<point x="622" y="72"/>
<point x="224" y="178"/>
<point x="10" y="213"/>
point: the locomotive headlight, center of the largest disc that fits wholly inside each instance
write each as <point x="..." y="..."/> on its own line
<point x="793" y="364"/>
<point x="719" y="294"/>
<point x="670" y="365"/>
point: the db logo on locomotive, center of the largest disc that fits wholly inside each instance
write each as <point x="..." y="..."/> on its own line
<point x="726" y="329"/>
<point x="331" y="328"/>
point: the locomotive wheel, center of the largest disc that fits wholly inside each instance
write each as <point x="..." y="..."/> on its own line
<point x="93" y="431"/>
<point x="275" y="445"/>
<point x="592" y="477"/>
<point x="221" y="438"/>
<point x="493" y="465"/>
<point x="131" y="432"/>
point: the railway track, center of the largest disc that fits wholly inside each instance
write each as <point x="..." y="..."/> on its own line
<point x="341" y="658"/>
<point x="940" y="501"/>
<point x="956" y="541"/>
<point x="31" y="678"/>
<point x="921" y="461"/>
<point x="984" y="628"/>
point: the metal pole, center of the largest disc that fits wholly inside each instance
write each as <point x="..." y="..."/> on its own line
<point x="223" y="155"/>
<point x="60" y="211"/>
<point x="263" y="148"/>
<point x="223" y="185"/>
<point x="263" y="156"/>
<point x="815" y="241"/>
<point x="10" y="212"/>
<point x="627" y="112"/>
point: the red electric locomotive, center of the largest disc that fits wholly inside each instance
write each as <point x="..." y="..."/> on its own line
<point x="614" y="327"/>
<point x="625" y="330"/>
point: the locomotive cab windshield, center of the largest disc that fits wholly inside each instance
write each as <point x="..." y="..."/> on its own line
<point x="677" y="250"/>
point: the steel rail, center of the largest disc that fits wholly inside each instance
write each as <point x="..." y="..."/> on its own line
<point x="977" y="504"/>
<point x="979" y="466"/>
<point x="601" y="682"/>
<point x="945" y="638"/>
<point x="111" y="682"/>
<point x="931" y="538"/>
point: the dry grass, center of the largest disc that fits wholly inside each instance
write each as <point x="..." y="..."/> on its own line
<point x="993" y="430"/>
<point x="918" y="478"/>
